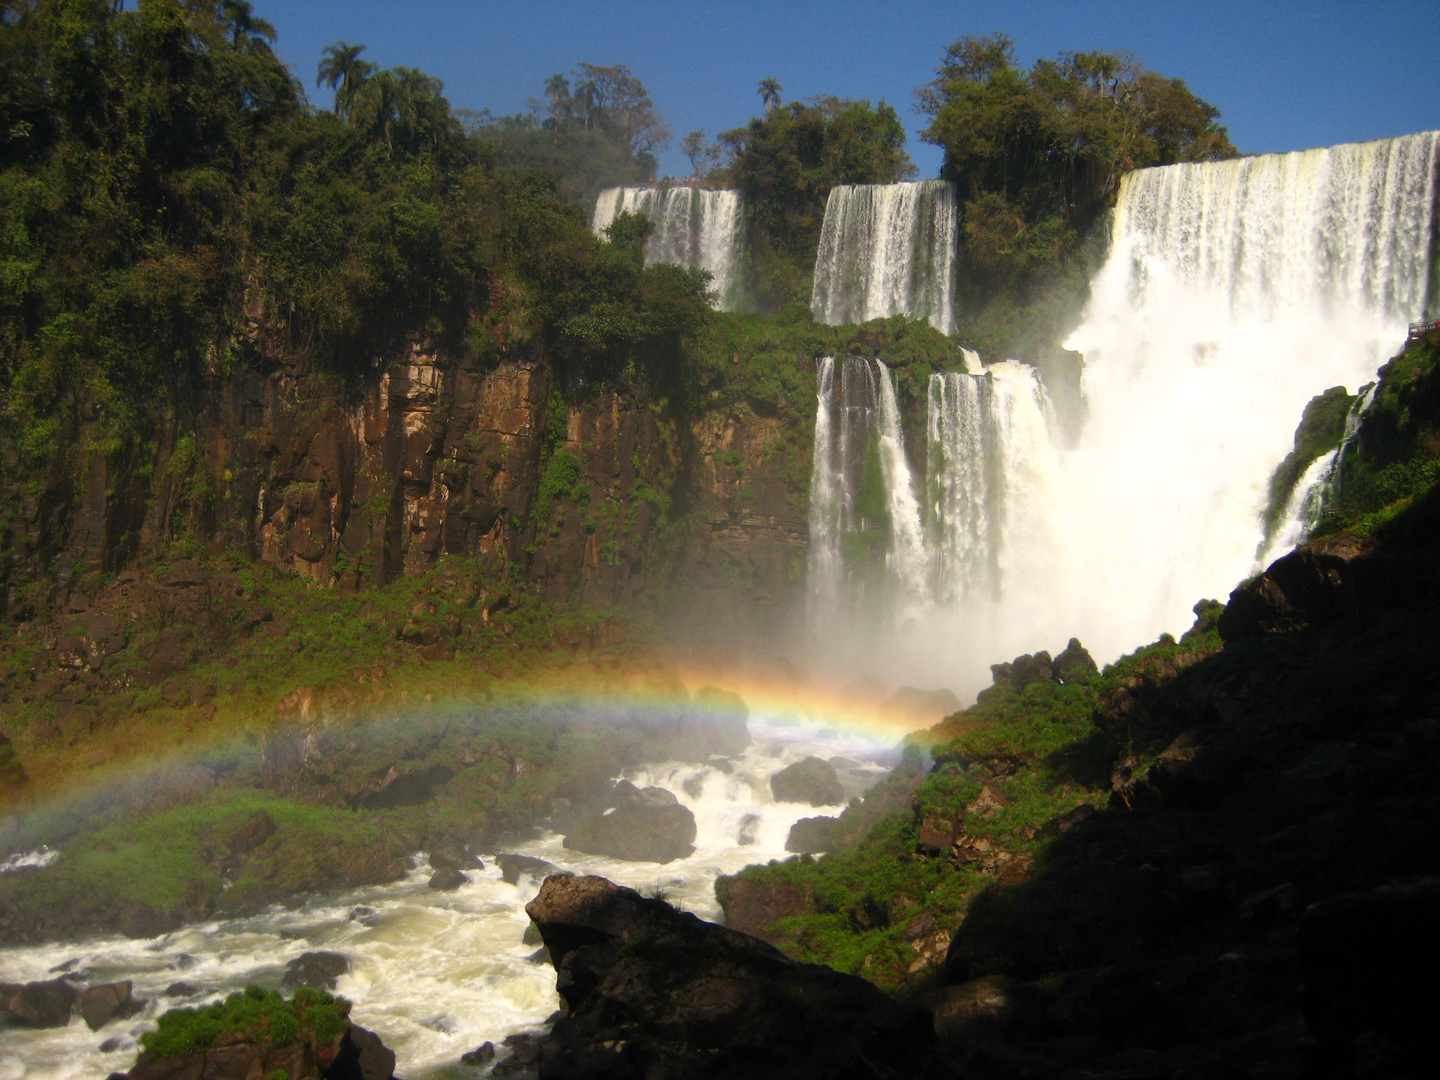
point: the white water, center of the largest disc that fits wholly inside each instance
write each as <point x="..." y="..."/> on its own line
<point x="1315" y="486"/>
<point x="887" y="249"/>
<point x="1233" y="293"/>
<point x="693" y="227"/>
<point x="908" y="560"/>
<point x="434" y="974"/>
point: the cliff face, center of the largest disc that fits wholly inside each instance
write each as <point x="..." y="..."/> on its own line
<point x="604" y="499"/>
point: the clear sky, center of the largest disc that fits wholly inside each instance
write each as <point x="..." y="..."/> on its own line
<point x="1285" y="74"/>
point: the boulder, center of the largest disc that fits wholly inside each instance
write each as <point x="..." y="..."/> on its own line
<point x="42" y="1004"/>
<point x="647" y="826"/>
<point x="812" y="835"/>
<point x="513" y="866"/>
<point x="447" y="879"/>
<point x="651" y="991"/>
<point x="451" y="854"/>
<point x="811" y="781"/>
<point x="408" y="788"/>
<point x="753" y="906"/>
<point x="1315" y="583"/>
<point x="357" y="1055"/>
<point x="109" y="1001"/>
<point x="749" y="828"/>
<point x="481" y="1055"/>
<point x="317" y="969"/>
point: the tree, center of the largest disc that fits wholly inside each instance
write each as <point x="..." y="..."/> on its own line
<point x="342" y="70"/>
<point x="702" y="155"/>
<point x="769" y="93"/>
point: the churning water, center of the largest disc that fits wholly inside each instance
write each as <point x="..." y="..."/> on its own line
<point x="436" y="974"/>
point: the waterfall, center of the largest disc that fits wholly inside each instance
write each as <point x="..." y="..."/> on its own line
<point x="887" y="249"/>
<point x="909" y="563"/>
<point x="1316" y="485"/>
<point x="693" y="227"/>
<point x="1233" y="292"/>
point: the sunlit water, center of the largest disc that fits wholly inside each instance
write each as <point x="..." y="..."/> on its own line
<point x="435" y="974"/>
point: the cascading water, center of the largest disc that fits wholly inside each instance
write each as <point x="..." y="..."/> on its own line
<point x="908" y="562"/>
<point x="1315" y="486"/>
<point x="1233" y="292"/>
<point x="693" y="227"/>
<point x="887" y="249"/>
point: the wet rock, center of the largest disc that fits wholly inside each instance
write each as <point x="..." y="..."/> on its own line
<point x="320" y="970"/>
<point x="647" y="826"/>
<point x="653" y="991"/>
<point x="447" y="879"/>
<point x="43" y="1004"/>
<point x="116" y="1042"/>
<point x="1315" y="583"/>
<point x="109" y="1001"/>
<point x="513" y="866"/>
<point x="812" y="835"/>
<point x="481" y="1055"/>
<point x="749" y="827"/>
<point x="451" y="854"/>
<point x="811" y="781"/>
<point x="181" y="989"/>
<point x="524" y="1053"/>
<point x="531" y="935"/>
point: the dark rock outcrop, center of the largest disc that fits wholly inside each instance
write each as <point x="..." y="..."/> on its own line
<point x="447" y="879"/>
<point x="651" y="991"/>
<point x="1369" y="960"/>
<point x="99" y="1005"/>
<point x="43" y="1004"/>
<point x="648" y="825"/>
<point x="811" y="781"/>
<point x="318" y="969"/>
<point x="752" y="907"/>
<point x="513" y="866"/>
<point x="356" y="1054"/>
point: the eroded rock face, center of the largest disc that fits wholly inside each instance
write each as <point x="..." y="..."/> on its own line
<point x="648" y="825"/>
<point x="810" y="781"/>
<point x="651" y="991"/>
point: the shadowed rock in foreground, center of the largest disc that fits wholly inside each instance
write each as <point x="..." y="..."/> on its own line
<point x="651" y="991"/>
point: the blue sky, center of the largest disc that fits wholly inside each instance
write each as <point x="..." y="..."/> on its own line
<point x="1285" y="75"/>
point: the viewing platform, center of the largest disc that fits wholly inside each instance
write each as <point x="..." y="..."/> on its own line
<point x="1420" y="330"/>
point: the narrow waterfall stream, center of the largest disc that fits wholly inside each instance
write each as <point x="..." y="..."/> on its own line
<point x="436" y="974"/>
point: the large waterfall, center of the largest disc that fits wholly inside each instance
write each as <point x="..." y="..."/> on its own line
<point x="693" y="227"/>
<point x="887" y="249"/>
<point x="1233" y="293"/>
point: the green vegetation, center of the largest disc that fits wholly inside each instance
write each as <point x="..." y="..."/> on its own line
<point x="1038" y="156"/>
<point x="1042" y="750"/>
<point x="1395" y="458"/>
<point x="257" y="1016"/>
<point x="1322" y="426"/>
<point x="786" y="163"/>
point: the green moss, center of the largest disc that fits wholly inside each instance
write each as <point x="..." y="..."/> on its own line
<point x="256" y="1016"/>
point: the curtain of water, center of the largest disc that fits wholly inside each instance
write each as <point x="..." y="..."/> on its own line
<point x="693" y="227"/>
<point x="887" y="249"/>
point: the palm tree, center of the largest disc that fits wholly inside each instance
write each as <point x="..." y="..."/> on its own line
<point x="769" y="93"/>
<point x="343" y="71"/>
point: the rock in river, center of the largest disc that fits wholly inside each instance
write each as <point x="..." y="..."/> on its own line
<point x="652" y="991"/>
<point x="649" y="825"/>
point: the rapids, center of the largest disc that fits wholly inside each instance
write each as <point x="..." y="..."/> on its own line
<point x="435" y="974"/>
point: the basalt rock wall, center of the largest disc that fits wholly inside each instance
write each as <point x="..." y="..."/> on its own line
<point x="600" y="498"/>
